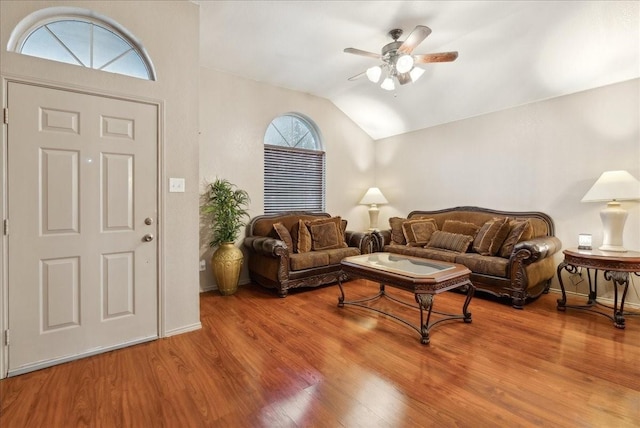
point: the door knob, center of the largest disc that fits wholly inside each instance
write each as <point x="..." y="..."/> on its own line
<point x="147" y="238"/>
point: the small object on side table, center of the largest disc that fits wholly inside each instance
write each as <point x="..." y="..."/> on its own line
<point x="616" y="266"/>
<point x="584" y="241"/>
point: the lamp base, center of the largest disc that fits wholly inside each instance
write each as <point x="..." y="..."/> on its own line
<point x="373" y="217"/>
<point x="613" y="248"/>
<point x="613" y="218"/>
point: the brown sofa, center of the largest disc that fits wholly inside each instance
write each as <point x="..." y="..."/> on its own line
<point x="282" y="257"/>
<point x="508" y="253"/>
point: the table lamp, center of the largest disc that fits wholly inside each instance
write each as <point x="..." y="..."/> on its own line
<point x="613" y="186"/>
<point x="373" y="197"/>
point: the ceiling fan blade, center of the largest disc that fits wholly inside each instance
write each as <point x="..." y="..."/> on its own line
<point x="362" y="53"/>
<point x="414" y="39"/>
<point x="357" y="76"/>
<point x="404" y="78"/>
<point x="435" y="57"/>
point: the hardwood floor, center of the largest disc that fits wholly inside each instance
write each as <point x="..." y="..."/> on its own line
<point x="263" y="361"/>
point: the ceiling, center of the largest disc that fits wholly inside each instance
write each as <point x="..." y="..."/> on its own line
<point x="510" y="52"/>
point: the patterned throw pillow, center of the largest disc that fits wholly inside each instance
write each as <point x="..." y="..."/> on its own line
<point x="520" y="230"/>
<point x="418" y="232"/>
<point x="397" y="235"/>
<point x="302" y="242"/>
<point x="283" y="234"/>
<point x="450" y="241"/>
<point x="491" y="236"/>
<point x="326" y="233"/>
<point x="461" y="227"/>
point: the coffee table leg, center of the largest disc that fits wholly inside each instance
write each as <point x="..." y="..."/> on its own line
<point x="425" y="301"/>
<point x="471" y="289"/>
<point x="341" y="297"/>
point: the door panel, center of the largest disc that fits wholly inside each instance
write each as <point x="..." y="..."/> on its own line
<point x="82" y="178"/>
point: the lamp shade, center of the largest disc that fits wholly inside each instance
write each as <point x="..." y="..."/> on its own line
<point x="614" y="186"/>
<point x="373" y="196"/>
<point x="374" y="74"/>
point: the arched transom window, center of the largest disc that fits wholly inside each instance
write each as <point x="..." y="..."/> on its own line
<point x="86" y="42"/>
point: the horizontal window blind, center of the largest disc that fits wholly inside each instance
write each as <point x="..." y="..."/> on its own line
<point x="293" y="180"/>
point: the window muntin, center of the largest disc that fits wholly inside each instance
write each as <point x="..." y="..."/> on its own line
<point x="87" y="44"/>
<point x="294" y="166"/>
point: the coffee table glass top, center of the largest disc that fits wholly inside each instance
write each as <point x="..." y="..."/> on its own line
<point x="402" y="265"/>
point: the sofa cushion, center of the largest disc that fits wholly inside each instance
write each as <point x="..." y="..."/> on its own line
<point x="282" y="233"/>
<point x="308" y="260"/>
<point x="487" y="265"/>
<point x="449" y="241"/>
<point x="301" y="238"/>
<point x="397" y="235"/>
<point x="337" y="254"/>
<point x="418" y="232"/>
<point x="491" y="236"/>
<point x="519" y="230"/>
<point x="326" y="233"/>
<point x="461" y="227"/>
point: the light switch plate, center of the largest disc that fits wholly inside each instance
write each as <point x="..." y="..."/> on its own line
<point x="176" y="185"/>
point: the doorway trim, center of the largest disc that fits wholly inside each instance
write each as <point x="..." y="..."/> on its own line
<point x="4" y="255"/>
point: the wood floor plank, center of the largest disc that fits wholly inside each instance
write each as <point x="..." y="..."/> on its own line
<point x="264" y="361"/>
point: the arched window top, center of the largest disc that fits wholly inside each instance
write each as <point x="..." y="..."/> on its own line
<point x="295" y="131"/>
<point x="79" y="37"/>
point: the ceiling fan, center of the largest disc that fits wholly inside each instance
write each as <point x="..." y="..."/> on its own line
<point x="398" y="61"/>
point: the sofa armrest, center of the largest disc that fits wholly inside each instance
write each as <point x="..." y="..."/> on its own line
<point x="536" y="249"/>
<point x="359" y="240"/>
<point x="266" y="246"/>
<point x="385" y="238"/>
<point x="531" y="264"/>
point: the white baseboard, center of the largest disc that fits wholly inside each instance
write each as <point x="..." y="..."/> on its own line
<point x="214" y="287"/>
<point x="183" y="329"/>
<point x="607" y="300"/>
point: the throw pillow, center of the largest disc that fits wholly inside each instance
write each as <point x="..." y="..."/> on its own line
<point x="418" y="232"/>
<point x="283" y="234"/>
<point x="303" y="238"/>
<point x="450" y="241"/>
<point x="491" y="236"/>
<point x="397" y="235"/>
<point x="520" y="230"/>
<point x="326" y="233"/>
<point x="461" y="227"/>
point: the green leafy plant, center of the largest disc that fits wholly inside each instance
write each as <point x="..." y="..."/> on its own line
<point x="227" y="205"/>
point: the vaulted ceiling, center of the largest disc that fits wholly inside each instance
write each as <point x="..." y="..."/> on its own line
<point x="510" y="52"/>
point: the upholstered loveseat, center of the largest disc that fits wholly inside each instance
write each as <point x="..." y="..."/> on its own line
<point x="300" y="249"/>
<point x="508" y="253"/>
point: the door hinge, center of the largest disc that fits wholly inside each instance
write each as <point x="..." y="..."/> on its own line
<point x="6" y="337"/>
<point x="5" y="226"/>
<point x="5" y="115"/>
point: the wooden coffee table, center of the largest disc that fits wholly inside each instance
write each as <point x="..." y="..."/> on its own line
<point x="423" y="277"/>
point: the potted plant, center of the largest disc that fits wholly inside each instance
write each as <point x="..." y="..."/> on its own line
<point x="227" y="207"/>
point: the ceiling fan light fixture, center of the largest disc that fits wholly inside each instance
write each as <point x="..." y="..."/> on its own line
<point x="416" y="73"/>
<point x="388" y="84"/>
<point x="374" y="73"/>
<point x="404" y="63"/>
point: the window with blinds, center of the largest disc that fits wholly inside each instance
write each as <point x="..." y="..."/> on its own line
<point x="294" y="166"/>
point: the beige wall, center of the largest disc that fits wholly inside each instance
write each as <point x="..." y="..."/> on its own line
<point x="542" y="156"/>
<point x="234" y="115"/>
<point x="169" y="30"/>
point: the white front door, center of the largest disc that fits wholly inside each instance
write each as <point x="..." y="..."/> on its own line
<point x="82" y="207"/>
